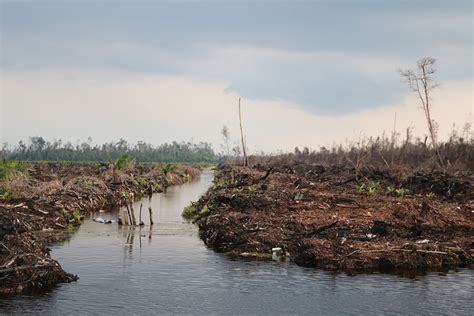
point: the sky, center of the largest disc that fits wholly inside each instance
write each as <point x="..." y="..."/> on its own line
<point x="310" y="73"/>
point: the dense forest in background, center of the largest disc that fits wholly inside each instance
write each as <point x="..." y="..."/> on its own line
<point x="39" y="149"/>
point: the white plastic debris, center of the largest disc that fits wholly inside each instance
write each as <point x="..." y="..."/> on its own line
<point x="99" y="220"/>
<point x="371" y="236"/>
<point x="276" y="253"/>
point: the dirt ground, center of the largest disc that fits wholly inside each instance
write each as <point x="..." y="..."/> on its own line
<point x="53" y="198"/>
<point x="327" y="217"/>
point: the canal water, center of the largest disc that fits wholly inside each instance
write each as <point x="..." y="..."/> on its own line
<point x="166" y="269"/>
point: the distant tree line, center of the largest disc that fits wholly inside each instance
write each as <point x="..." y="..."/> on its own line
<point x="38" y="149"/>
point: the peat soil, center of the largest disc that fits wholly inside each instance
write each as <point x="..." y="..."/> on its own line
<point x="322" y="216"/>
<point x="45" y="205"/>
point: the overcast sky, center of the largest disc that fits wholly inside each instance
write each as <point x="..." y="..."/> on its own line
<point x="309" y="72"/>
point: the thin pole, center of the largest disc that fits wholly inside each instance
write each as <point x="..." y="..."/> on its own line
<point x="151" y="215"/>
<point x="242" y="137"/>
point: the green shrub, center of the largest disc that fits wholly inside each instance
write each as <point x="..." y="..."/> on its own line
<point x="8" y="167"/>
<point x="166" y="168"/>
<point x="189" y="211"/>
<point x="122" y="162"/>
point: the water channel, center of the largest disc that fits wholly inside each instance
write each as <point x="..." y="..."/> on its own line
<point x="166" y="269"/>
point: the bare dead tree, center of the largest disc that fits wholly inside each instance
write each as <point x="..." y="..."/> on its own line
<point x="421" y="81"/>
<point x="244" y="151"/>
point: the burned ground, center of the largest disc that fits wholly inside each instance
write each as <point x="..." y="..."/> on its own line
<point x="327" y="217"/>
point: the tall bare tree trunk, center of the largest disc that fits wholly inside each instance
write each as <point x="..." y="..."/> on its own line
<point x="424" y="76"/>
<point x="246" y="163"/>
<point x="428" y="116"/>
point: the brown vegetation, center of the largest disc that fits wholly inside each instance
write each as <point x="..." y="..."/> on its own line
<point x="323" y="216"/>
<point x="53" y="197"/>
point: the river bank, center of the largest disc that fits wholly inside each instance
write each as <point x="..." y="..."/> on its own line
<point x="167" y="269"/>
<point x="53" y="197"/>
<point x="322" y="216"/>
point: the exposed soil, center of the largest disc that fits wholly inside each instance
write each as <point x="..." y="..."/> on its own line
<point x="323" y="217"/>
<point x="53" y="198"/>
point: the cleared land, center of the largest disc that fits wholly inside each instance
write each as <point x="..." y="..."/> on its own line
<point x="322" y="217"/>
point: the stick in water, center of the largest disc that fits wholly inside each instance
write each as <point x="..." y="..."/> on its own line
<point x="140" y="216"/>
<point x="129" y="218"/>
<point x="134" y="220"/>
<point x="151" y="215"/>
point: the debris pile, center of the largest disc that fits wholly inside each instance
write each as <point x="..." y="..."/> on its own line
<point x="323" y="217"/>
<point x="25" y="263"/>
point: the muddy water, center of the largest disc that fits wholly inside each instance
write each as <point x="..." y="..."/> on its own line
<point x="168" y="270"/>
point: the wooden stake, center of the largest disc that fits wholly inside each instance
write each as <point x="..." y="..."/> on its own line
<point x="151" y="215"/>
<point x="129" y="218"/>
<point x="242" y="137"/>
<point x="134" y="219"/>
<point x="140" y="216"/>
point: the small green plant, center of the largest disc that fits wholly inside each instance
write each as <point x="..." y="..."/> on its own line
<point x="77" y="215"/>
<point x="401" y="192"/>
<point x="237" y="190"/>
<point x="272" y="187"/>
<point x="430" y="195"/>
<point x="189" y="211"/>
<point x="186" y="177"/>
<point x="6" y="195"/>
<point x="251" y="189"/>
<point x="361" y="188"/>
<point x="143" y="182"/>
<point x="219" y="181"/>
<point x="390" y="189"/>
<point x="372" y="188"/>
<point x="203" y="212"/>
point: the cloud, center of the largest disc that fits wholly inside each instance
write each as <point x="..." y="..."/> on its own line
<point x="73" y="103"/>
<point x="327" y="57"/>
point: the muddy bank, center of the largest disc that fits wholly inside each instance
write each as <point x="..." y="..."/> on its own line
<point x="331" y="218"/>
<point x="35" y="207"/>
